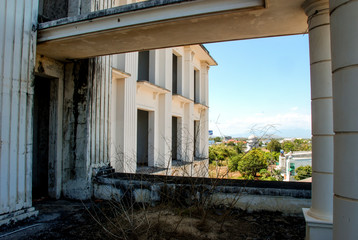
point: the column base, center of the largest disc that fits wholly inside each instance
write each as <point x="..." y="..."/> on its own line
<point x="317" y="229"/>
<point x="19" y="215"/>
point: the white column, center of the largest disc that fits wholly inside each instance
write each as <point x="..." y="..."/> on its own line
<point x="166" y="107"/>
<point x="319" y="216"/>
<point x="18" y="49"/>
<point x="188" y="86"/>
<point x="124" y="115"/>
<point x="344" y="35"/>
<point x="188" y="133"/>
<point x="205" y="83"/>
<point x="164" y="128"/>
<point x="188" y="75"/>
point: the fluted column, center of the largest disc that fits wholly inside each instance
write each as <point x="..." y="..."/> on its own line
<point x="321" y="209"/>
<point x="344" y="35"/>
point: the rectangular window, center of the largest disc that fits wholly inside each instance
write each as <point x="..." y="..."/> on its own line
<point x="175" y="74"/>
<point x="174" y="138"/>
<point x="196" y="139"/>
<point x="196" y="86"/>
<point x="143" y="66"/>
<point x="142" y="138"/>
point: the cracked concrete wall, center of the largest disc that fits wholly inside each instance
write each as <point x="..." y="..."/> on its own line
<point x="76" y="183"/>
<point x="85" y="100"/>
<point x="81" y="142"/>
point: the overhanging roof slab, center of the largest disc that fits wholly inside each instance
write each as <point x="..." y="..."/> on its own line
<point x="168" y="23"/>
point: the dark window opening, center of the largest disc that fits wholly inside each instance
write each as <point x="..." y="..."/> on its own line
<point x="142" y="138"/>
<point x="143" y="66"/>
<point x="174" y="138"/>
<point x="175" y="74"/>
<point x="41" y="116"/>
<point x="196" y="87"/>
<point x="196" y="138"/>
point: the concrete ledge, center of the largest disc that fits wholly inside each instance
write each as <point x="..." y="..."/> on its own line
<point x="288" y="198"/>
<point x="18" y="216"/>
<point x="303" y="187"/>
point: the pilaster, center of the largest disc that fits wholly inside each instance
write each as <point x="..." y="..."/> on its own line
<point x="319" y="216"/>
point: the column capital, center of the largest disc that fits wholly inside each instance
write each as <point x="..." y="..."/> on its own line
<point x="204" y="64"/>
<point x="312" y="7"/>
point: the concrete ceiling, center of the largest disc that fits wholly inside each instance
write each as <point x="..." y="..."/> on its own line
<point x="179" y="24"/>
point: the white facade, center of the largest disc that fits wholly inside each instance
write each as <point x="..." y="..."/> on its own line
<point x="151" y="75"/>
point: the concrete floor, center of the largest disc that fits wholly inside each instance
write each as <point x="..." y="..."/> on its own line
<point x="66" y="219"/>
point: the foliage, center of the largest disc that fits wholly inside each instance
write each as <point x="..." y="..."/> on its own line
<point x="288" y="146"/>
<point x="297" y="145"/>
<point x="277" y="174"/>
<point x="217" y="139"/>
<point x="264" y="173"/>
<point x="274" y="175"/>
<point x="303" y="172"/>
<point x="274" y="146"/>
<point x="212" y="155"/>
<point x="233" y="162"/>
<point x="221" y="152"/>
<point x="251" y="163"/>
<point x="271" y="157"/>
<point x="302" y="145"/>
<point x="239" y="147"/>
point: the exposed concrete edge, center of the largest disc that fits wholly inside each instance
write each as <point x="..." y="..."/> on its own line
<point x="287" y="201"/>
<point x="211" y="181"/>
<point x="111" y="11"/>
<point x="209" y="188"/>
<point x="19" y="215"/>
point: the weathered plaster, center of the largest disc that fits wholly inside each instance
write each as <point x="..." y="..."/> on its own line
<point x="288" y="198"/>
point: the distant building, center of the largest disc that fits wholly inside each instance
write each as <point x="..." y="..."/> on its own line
<point x="226" y="138"/>
<point x="291" y="161"/>
<point x="252" y="142"/>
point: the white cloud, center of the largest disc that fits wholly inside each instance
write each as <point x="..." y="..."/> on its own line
<point x="288" y="120"/>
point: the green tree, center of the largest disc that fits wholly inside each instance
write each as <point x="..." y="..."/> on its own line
<point x="274" y="146"/>
<point x="288" y="146"/>
<point x="239" y="147"/>
<point x="303" y="172"/>
<point x="251" y="163"/>
<point x="221" y="152"/>
<point x="271" y="157"/>
<point x="217" y="139"/>
<point x="266" y="175"/>
<point x="212" y="155"/>
<point x="302" y="145"/>
<point x="233" y="162"/>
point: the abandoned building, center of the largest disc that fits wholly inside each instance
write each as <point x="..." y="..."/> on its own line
<point x="57" y="79"/>
<point x="170" y="98"/>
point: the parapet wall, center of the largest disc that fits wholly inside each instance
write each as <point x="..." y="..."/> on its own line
<point x="286" y="197"/>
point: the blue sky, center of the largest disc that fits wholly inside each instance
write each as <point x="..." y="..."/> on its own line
<point x="260" y="82"/>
